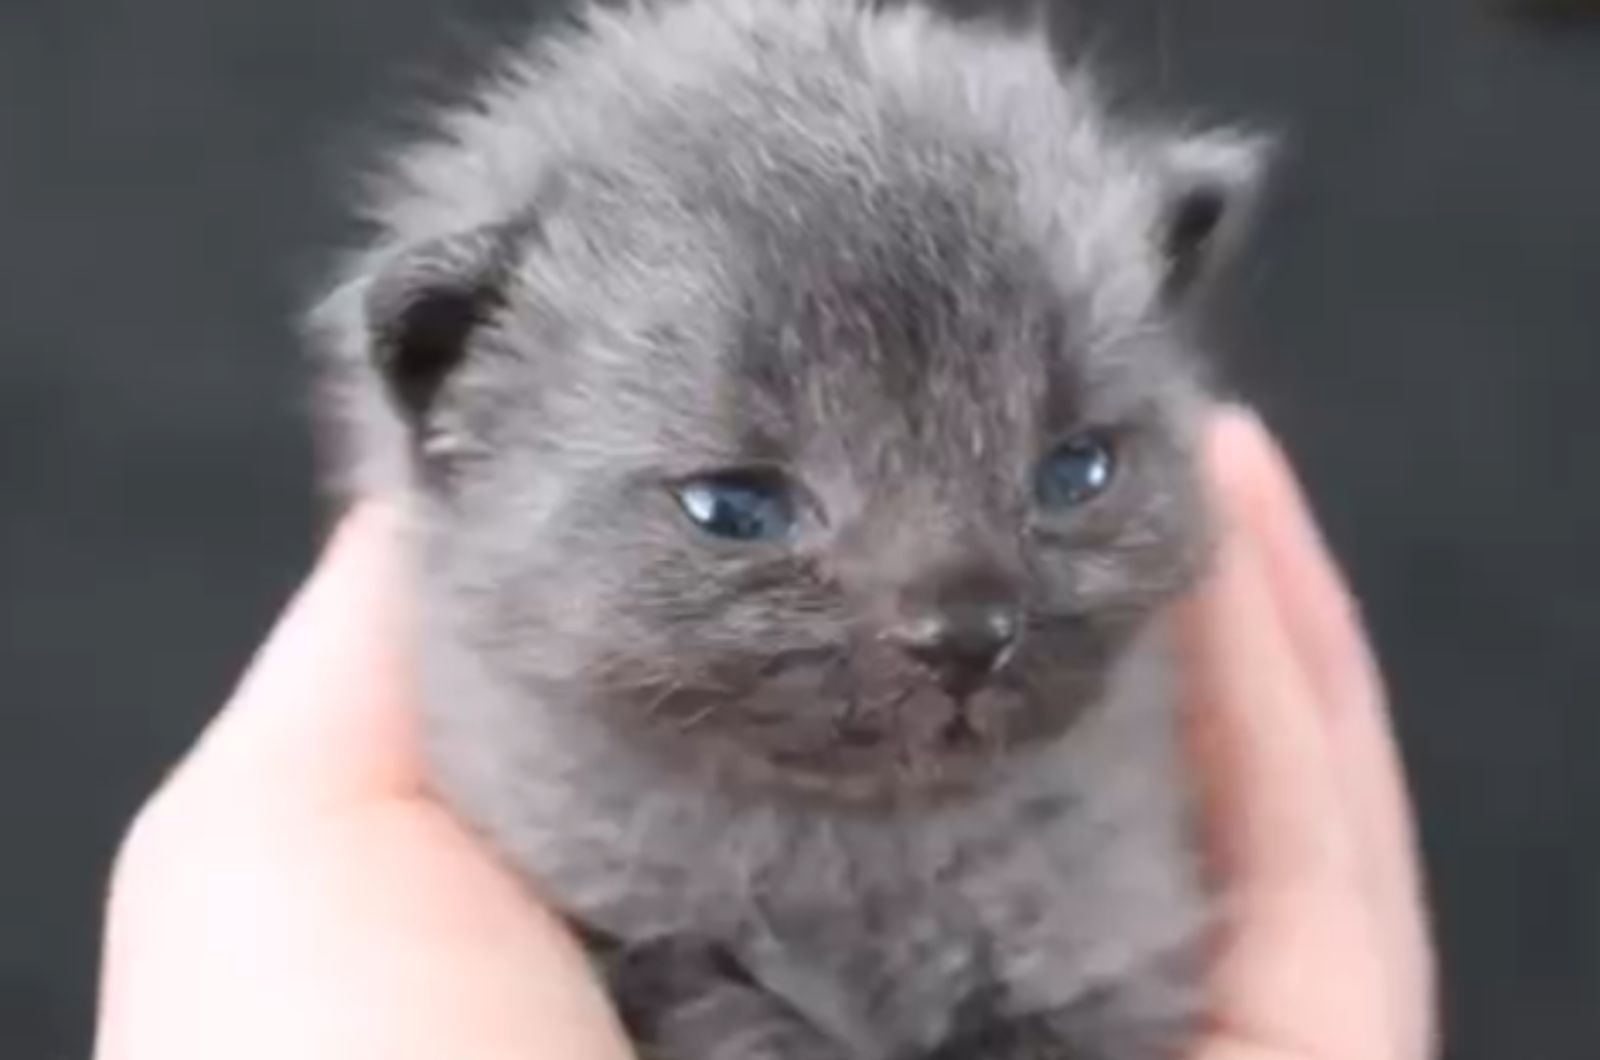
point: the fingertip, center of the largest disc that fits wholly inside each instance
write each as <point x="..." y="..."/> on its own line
<point x="1238" y="458"/>
<point x="362" y="543"/>
<point x="323" y="711"/>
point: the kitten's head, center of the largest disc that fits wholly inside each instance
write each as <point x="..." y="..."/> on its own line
<point x="829" y="423"/>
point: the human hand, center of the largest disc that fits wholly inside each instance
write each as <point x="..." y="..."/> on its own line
<point x="1325" y="952"/>
<point x="293" y="891"/>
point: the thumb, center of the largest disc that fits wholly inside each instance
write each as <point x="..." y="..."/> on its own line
<point x="294" y="892"/>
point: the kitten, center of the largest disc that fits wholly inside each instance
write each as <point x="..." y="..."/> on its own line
<point x="795" y="411"/>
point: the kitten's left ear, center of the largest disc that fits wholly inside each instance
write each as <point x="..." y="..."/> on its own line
<point x="1211" y="182"/>
<point x="425" y="304"/>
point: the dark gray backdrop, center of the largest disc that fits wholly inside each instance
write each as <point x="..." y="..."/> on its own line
<point x="1421" y="320"/>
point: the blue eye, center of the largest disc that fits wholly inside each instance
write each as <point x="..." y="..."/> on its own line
<point x="739" y="505"/>
<point x="1078" y="471"/>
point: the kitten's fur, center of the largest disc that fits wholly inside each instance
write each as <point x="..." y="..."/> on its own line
<point x="898" y="259"/>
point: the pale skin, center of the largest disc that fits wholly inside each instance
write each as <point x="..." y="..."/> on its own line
<point x="294" y="891"/>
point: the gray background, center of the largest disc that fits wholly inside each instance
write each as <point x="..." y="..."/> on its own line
<point x="1421" y="319"/>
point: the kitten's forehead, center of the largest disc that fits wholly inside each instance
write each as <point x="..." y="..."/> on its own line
<point x="936" y="322"/>
<point x="936" y="306"/>
<point x="860" y="255"/>
<point x="900" y="321"/>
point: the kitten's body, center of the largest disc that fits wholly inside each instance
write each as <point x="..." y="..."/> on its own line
<point x="897" y="260"/>
<point x="1067" y="888"/>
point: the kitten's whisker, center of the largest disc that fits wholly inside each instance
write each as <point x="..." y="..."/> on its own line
<point x="685" y="724"/>
<point x="660" y="701"/>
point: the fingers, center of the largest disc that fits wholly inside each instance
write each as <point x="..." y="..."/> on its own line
<point x="1274" y="804"/>
<point x="1318" y="609"/>
<point x="1324" y="627"/>
<point x="1308" y="966"/>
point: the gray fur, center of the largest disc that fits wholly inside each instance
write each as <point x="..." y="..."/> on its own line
<point x="899" y="259"/>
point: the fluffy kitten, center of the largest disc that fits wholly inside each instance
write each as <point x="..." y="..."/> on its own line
<point x="794" y="409"/>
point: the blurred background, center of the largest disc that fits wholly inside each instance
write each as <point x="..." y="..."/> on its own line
<point x="1420" y="319"/>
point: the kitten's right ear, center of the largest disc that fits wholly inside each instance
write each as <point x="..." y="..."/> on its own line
<point x="425" y="304"/>
<point x="1212" y="182"/>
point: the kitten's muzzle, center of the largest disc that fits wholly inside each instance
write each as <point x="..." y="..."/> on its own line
<point x="962" y="644"/>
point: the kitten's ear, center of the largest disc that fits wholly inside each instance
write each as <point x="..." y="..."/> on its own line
<point x="424" y="305"/>
<point x="1211" y="184"/>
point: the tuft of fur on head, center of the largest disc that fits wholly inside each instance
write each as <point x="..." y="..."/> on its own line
<point x="892" y="262"/>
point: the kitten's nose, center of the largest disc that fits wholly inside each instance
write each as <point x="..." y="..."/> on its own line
<point x="962" y="644"/>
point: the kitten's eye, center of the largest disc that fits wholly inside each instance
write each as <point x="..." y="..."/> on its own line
<point x="739" y="505"/>
<point x="1079" y="470"/>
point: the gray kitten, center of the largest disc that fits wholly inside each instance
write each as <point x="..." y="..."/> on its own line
<point x="795" y="412"/>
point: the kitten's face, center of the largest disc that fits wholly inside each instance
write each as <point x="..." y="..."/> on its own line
<point x="847" y="494"/>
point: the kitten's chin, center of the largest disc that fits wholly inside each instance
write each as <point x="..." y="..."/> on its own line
<point x="929" y="778"/>
<point x="856" y="728"/>
<point x="963" y="755"/>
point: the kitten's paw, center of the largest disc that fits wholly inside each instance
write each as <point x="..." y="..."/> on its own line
<point x="687" y="1000"/>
